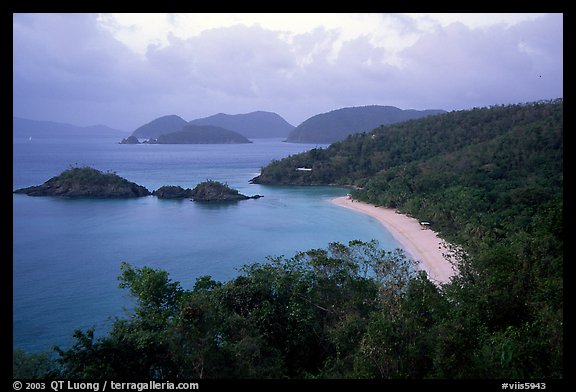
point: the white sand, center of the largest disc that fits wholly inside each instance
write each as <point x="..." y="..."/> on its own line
<point x="423" y="245"/>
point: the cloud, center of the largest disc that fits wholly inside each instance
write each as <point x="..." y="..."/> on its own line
<point x="227" y="60"/>
<point x="74" y="68"/>
<point x="67" y="66"/>
<point x="466" y="67"/>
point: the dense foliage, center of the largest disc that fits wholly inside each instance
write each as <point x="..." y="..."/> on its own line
<point x="490" y="179"/>
<point x="472" y="173"/>
<point x="348" y="311"/>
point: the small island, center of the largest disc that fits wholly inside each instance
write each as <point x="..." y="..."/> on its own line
<point x="200" y="134"/>
<point x="172" y="192"/>
<point x="130" y="140"/>
<point x="92" y="183"/>
<point x="86" y="182"/>
<point x="214" y="191"/>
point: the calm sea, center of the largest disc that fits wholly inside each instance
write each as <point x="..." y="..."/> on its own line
<point x="67" y="253"/>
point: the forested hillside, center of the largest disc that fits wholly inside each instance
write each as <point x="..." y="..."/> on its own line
<point x="455" y="169"/>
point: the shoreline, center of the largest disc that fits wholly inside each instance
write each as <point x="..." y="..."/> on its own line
<point x="423" y="245"/>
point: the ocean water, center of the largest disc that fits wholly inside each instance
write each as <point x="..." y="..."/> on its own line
<point x="67" y="252"/>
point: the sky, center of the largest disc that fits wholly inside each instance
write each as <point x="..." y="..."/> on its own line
<point x="124" y="70"/>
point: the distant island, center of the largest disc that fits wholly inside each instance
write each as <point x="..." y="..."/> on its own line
<point x="223" y="129"/>
<point x="201" y="134"/>
<point x="159" y="126"/>
<point x="338" y="124"/>
<point x="257" y="124"/>
<point x="34" y="129"/>
<point x="87" y="182"/>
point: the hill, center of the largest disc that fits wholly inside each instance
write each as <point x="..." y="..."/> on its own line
<point x="159" y="126"/>
<point x="196" y="134"/>
<point x="25" y="128"/>
<point x="337" y="124"/>
<point x="478" y="160"/>
<point x="490" y="180"/>
<point x="86" y="182"/>
<point x="258" y="124"/>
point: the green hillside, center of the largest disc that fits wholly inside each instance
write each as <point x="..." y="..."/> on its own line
<point x="452" y="169"/>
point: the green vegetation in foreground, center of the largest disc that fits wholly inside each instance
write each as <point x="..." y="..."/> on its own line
<point x="348" y="311"/>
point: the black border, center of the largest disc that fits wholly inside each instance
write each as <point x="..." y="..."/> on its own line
<point x="6" y="284"/>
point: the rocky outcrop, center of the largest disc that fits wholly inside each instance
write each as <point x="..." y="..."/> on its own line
<point x="172" y="192"/>
<point x="130" y="140"/>
<point x="86" y="182"/>
<point x="216" y="191"/>
<point x="91" y="183"/>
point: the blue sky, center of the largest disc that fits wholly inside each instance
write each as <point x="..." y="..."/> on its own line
<point x="124" y="70"/>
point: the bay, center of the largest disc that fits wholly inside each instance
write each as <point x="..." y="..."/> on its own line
<point x="67" y="252"/>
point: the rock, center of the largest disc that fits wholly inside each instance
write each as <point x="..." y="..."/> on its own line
<point x="86" y="182"/>
<point x="216" y="191"/>
<point x="130" y="140"/>
<point x="172" y="192"/>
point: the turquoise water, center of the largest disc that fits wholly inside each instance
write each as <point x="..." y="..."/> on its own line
<point x="67" y="253"/>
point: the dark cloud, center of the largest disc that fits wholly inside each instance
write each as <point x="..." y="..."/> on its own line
<point x="65" y="67"/>
<point x="68" y="68"/>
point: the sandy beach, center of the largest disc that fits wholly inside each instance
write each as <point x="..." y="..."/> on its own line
<point x="423" y="245"/>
